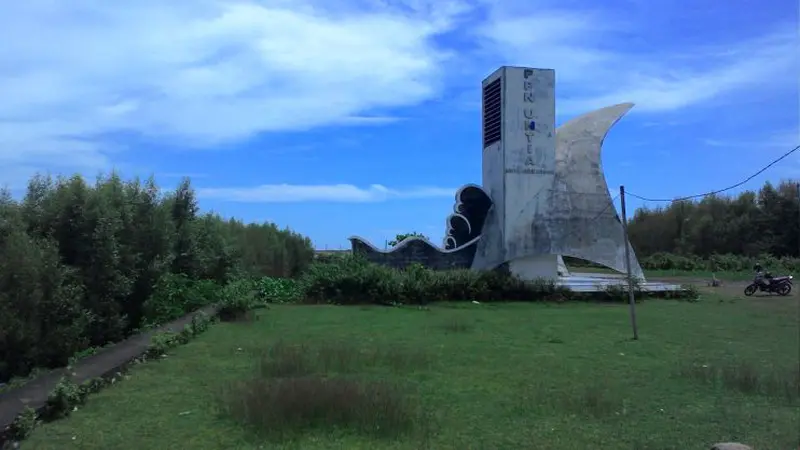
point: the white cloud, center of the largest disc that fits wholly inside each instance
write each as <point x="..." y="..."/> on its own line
<point x="72" y="74"/>
<point x="288" y="193"/>
<point x="584" y="48"/>
<point x="75" y="75"/>
<point x="781" y="140"/>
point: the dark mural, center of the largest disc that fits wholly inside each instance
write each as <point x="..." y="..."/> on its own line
<point x="463" y="230"/>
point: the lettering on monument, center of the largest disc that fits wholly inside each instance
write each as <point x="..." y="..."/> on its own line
<point x="534" y="171"/>
<point x="527" y="96"/>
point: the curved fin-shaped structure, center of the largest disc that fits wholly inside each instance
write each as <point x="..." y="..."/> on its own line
<point x="582" y="208"/>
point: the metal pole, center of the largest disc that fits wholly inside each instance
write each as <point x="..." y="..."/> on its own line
<point x="798" y="221"/>
<point x="631" y="300"/>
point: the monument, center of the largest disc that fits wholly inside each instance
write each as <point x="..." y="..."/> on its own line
<point x="543" y="194"/>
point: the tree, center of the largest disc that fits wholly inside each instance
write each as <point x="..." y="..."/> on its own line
<point x="401" y="237"/>
<point x="748" y="224"/>
<point x="82" y="264"/>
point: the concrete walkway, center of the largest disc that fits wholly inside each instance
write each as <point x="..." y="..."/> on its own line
<point x="106" y="361"/>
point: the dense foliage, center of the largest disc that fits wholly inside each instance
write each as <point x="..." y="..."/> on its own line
<point x="750" y="224"/>
<point x="83" y="265"/>
<point x="351" y="280"/>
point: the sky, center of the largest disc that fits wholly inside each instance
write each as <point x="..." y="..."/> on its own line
<point x="362" y="117"/>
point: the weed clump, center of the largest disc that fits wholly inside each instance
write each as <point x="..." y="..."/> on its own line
<point x="283" y="406"/>
<point x="297" y="387"/>
<point x="747" y="378"/>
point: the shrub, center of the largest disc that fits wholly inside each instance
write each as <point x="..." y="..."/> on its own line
<point x="277" y="290"/>
<point x="64" y="398"/>
<point x="23" y="424"/>
<point x="236" y="299"/>
<point x="176" y="295"/>
<point x="161" y="342"/>
<point x="354" y="281"/>
<point x="719" y="263"/>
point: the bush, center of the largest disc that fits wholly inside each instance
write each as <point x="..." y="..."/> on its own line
<point x="352" y="280"/>
<point x="236" y="299"/>
<point x="64" y="398"/>
<point x="719" y="263"/>
<point x="176" y="295"/>
<point x="277" y="290"/>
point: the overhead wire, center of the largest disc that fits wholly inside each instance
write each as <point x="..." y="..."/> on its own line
<point x="718" y="191"/>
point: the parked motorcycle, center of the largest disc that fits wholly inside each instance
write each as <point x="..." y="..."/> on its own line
<point x="777" y="285"/>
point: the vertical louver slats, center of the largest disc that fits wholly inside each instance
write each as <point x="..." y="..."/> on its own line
<point x="492" y="106"/>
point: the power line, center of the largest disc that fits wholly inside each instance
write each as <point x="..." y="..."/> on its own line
<point x="690" y="197"/>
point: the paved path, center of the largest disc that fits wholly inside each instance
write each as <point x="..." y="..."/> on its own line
<point x="104" y="362"/>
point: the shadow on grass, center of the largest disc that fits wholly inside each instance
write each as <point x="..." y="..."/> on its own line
<point x="456" y="325"/>
<point x="299" y="387"/>
<point x="747" y="378"/>
<point x="227" y="314"/>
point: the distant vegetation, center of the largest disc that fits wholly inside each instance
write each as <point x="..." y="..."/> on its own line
<point x="750" y="224"/>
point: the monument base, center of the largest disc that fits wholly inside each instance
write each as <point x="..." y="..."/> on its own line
<point x="599" y="282"/>
<point x="539" y="266"/>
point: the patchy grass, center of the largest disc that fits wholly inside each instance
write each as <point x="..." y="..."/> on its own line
<point x="285" y="407"/>
<point x="545" y="376"/>
<point x="780" y="383"/>
<point x="456" y="325"/>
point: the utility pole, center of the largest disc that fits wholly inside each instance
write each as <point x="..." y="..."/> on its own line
<point x="798" y="219"/>
<point x="631" y="300"/>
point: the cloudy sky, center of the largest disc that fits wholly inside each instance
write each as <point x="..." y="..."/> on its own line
<point x="340" y="117"/>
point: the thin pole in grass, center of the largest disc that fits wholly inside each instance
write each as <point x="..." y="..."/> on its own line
<point x="798" y="225"/>
<point x="631" y="300"/>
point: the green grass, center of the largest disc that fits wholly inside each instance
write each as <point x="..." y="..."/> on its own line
<point x="466" y="376"/>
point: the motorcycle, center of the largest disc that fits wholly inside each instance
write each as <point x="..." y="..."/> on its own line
<point x="778" y="285"/>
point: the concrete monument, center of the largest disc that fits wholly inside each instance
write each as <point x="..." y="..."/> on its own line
<point x="543" y="191"/>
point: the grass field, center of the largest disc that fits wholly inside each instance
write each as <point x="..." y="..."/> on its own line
<point x="466" y="376"/>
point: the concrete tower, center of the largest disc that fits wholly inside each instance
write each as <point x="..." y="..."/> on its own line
<point x="519" y="160"/>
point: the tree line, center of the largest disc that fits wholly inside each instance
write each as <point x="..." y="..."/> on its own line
<point x="750" y="224"/>
<point x="83" y="265"/>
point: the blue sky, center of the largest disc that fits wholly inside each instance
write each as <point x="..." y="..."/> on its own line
<point x="342" y="117"/>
